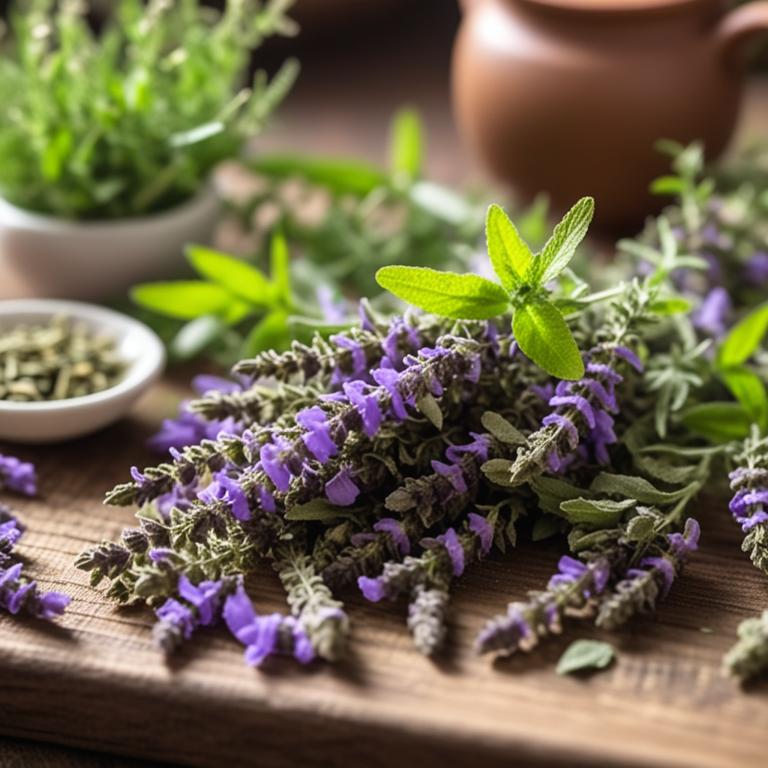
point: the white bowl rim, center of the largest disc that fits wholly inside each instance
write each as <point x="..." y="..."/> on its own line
<point x="22" y="218"/>
<point x="141" y="372"/>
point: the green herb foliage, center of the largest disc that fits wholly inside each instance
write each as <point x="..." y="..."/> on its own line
<point x="585" y="655"/>
<point x="130" y="120"/>
<point x="538" y="325"/>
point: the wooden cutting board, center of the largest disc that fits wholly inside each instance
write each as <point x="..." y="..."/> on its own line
<point x="94" y="680"/>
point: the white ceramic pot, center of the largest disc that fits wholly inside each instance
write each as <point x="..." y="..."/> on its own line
<point x="44" y="256"/>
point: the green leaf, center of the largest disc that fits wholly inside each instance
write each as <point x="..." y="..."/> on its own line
<point x="317" y="510"/>
<point x="718" y="422"/>
<point x="498" y="471"/>
<point x="667" y="185"/>
<point x="501" y="429"/>
<point x="195" y="336"/>
<point x="339" y="176"/>
<point x="552" y="492"/>
<point x="463" y="297"/>
<point x="744" y="338"/>
<point x="561" y="247"/>
<point x="674" y="305"/>
<point x="406" y="144"/>
<point x="748" y="388"/>
<point x="184" y="299"/>
<point x="596" y="513"/>
<point x="271" y="333"/>
<point x="196" y="135"/>
<point x="430" y="408"/>
<point x="585" y="654"/>
<point x="280" y="269"/>
<point x="509" y="253"/>
<point x="544" y="336"/>
<point x="637" y="488"/>
<point x="237" y="276"/>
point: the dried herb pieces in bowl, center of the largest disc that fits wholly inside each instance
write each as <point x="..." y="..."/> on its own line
<point x="57" y="360"/>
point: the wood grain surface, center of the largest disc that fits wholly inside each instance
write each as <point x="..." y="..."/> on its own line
<point x="94" y="680"/>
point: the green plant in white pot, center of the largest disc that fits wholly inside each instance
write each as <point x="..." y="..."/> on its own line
<point x="108" y="139"/>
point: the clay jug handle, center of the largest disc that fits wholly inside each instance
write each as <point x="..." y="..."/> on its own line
<point x="740" y="26"/>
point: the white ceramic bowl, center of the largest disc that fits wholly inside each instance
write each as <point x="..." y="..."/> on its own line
<point x="44" y="256"/>
<point x="57" y="420"/>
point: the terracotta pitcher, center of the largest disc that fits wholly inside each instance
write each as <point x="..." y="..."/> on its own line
<point x="570" y="96"/>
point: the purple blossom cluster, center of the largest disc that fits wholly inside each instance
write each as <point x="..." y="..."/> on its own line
<point x="18" y="593"/>
<point x="749" y="505"/>
<point x="18" y="476"/>
<point x="583" y="410"/>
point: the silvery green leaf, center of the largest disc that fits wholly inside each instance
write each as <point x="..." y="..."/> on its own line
<point x="545" y="527"/>
<point x="501" y="429"/>
<point x="498" y="471"/>
<point x="317" y="509"/>
<point x="637" y="488"/>
<point x="585" y="654"/>
<point x="430" y="408"/>
<point x="640" y="528"/>
<point x="552" y="491"/>
<point x="596" y="513"/>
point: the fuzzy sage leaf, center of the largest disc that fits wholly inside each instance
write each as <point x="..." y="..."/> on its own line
<point x="585" y="654"/>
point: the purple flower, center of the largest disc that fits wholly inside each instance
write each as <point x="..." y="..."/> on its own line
<point x="11" y="530"/>
<point x="18" y="476"/>
<point x="341" y="489"/>
<point x="452" y="544"/>
<point x="334" y="310"/>
<point x="400" y="335"/>
<point x="205" y="597"/>
<point x="189" y="429"/>
<point x="483" y="530"/>
<point x="571" y="570"/>
<point x="453" y="474"/>
<point x="359" y="361"/>
<point x="628" y="356"/>
<point x="264" y="636"/>
<point x="205" y="383"/>
<point x="226" y="489"/>
<point x="373" y="589"/>
<point x="177" y="616"/>
<point x="507" y="633"/>
<point x="389" y="380"/>
<point x="271" y="458"/>
<point x="19" y="593"/>
<point x="318" y="437"/>
<point x="748" y="507"/>
<point x="756" y="269"/>
<point x="478" y="448"/>
<point x="366" y="405"/>
<point x="711" y="317"/>
<point x="395" y="530"/>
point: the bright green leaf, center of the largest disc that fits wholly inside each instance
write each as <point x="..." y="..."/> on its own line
<point x="407" y="144"/>
<point x="509" y="253"/>
<point x="184" y="299"/>
<point x="280" y="268"/>
<point x="544" y="336"/>
<point x="561" y="247"/>
<point x="674" y="305"/>
<point x="585" y="654"/>
<point x="667" y="185"/>
<point x="718" y="422"/>
<point x="468" y="297"/>
<point x="748" y="388"/>
<point x="237" y="276"/>
<point x="744" y="338"/>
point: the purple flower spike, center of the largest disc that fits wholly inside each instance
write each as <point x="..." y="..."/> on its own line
<point x="712" y="315"/>
<point x="581" y="404"/>
<point x="564" y="422"/>
<point x="452" y="544"/>
<point x="395" y="530"/>
<point x="17" y="475"/>
<point x="318" y="437"/>
<point x="341" y="489"/>
<point x="389" y="379"/>
<point x="478" y="448"/>
<point x="681" y="545"/>
<point x="626" y="354"/>
<point x="453" y="474"/>
<point x="51" y="605"/>
<point x="178" y="616"/>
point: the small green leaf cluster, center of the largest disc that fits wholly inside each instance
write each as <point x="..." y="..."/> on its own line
<point x="231" y="295"/>
<point x="130" y="120"/>
<point x="538" y="325"/>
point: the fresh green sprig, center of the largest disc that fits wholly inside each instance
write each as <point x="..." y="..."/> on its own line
<point x="130" y="120"/>
<point x="539" y="327"/>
